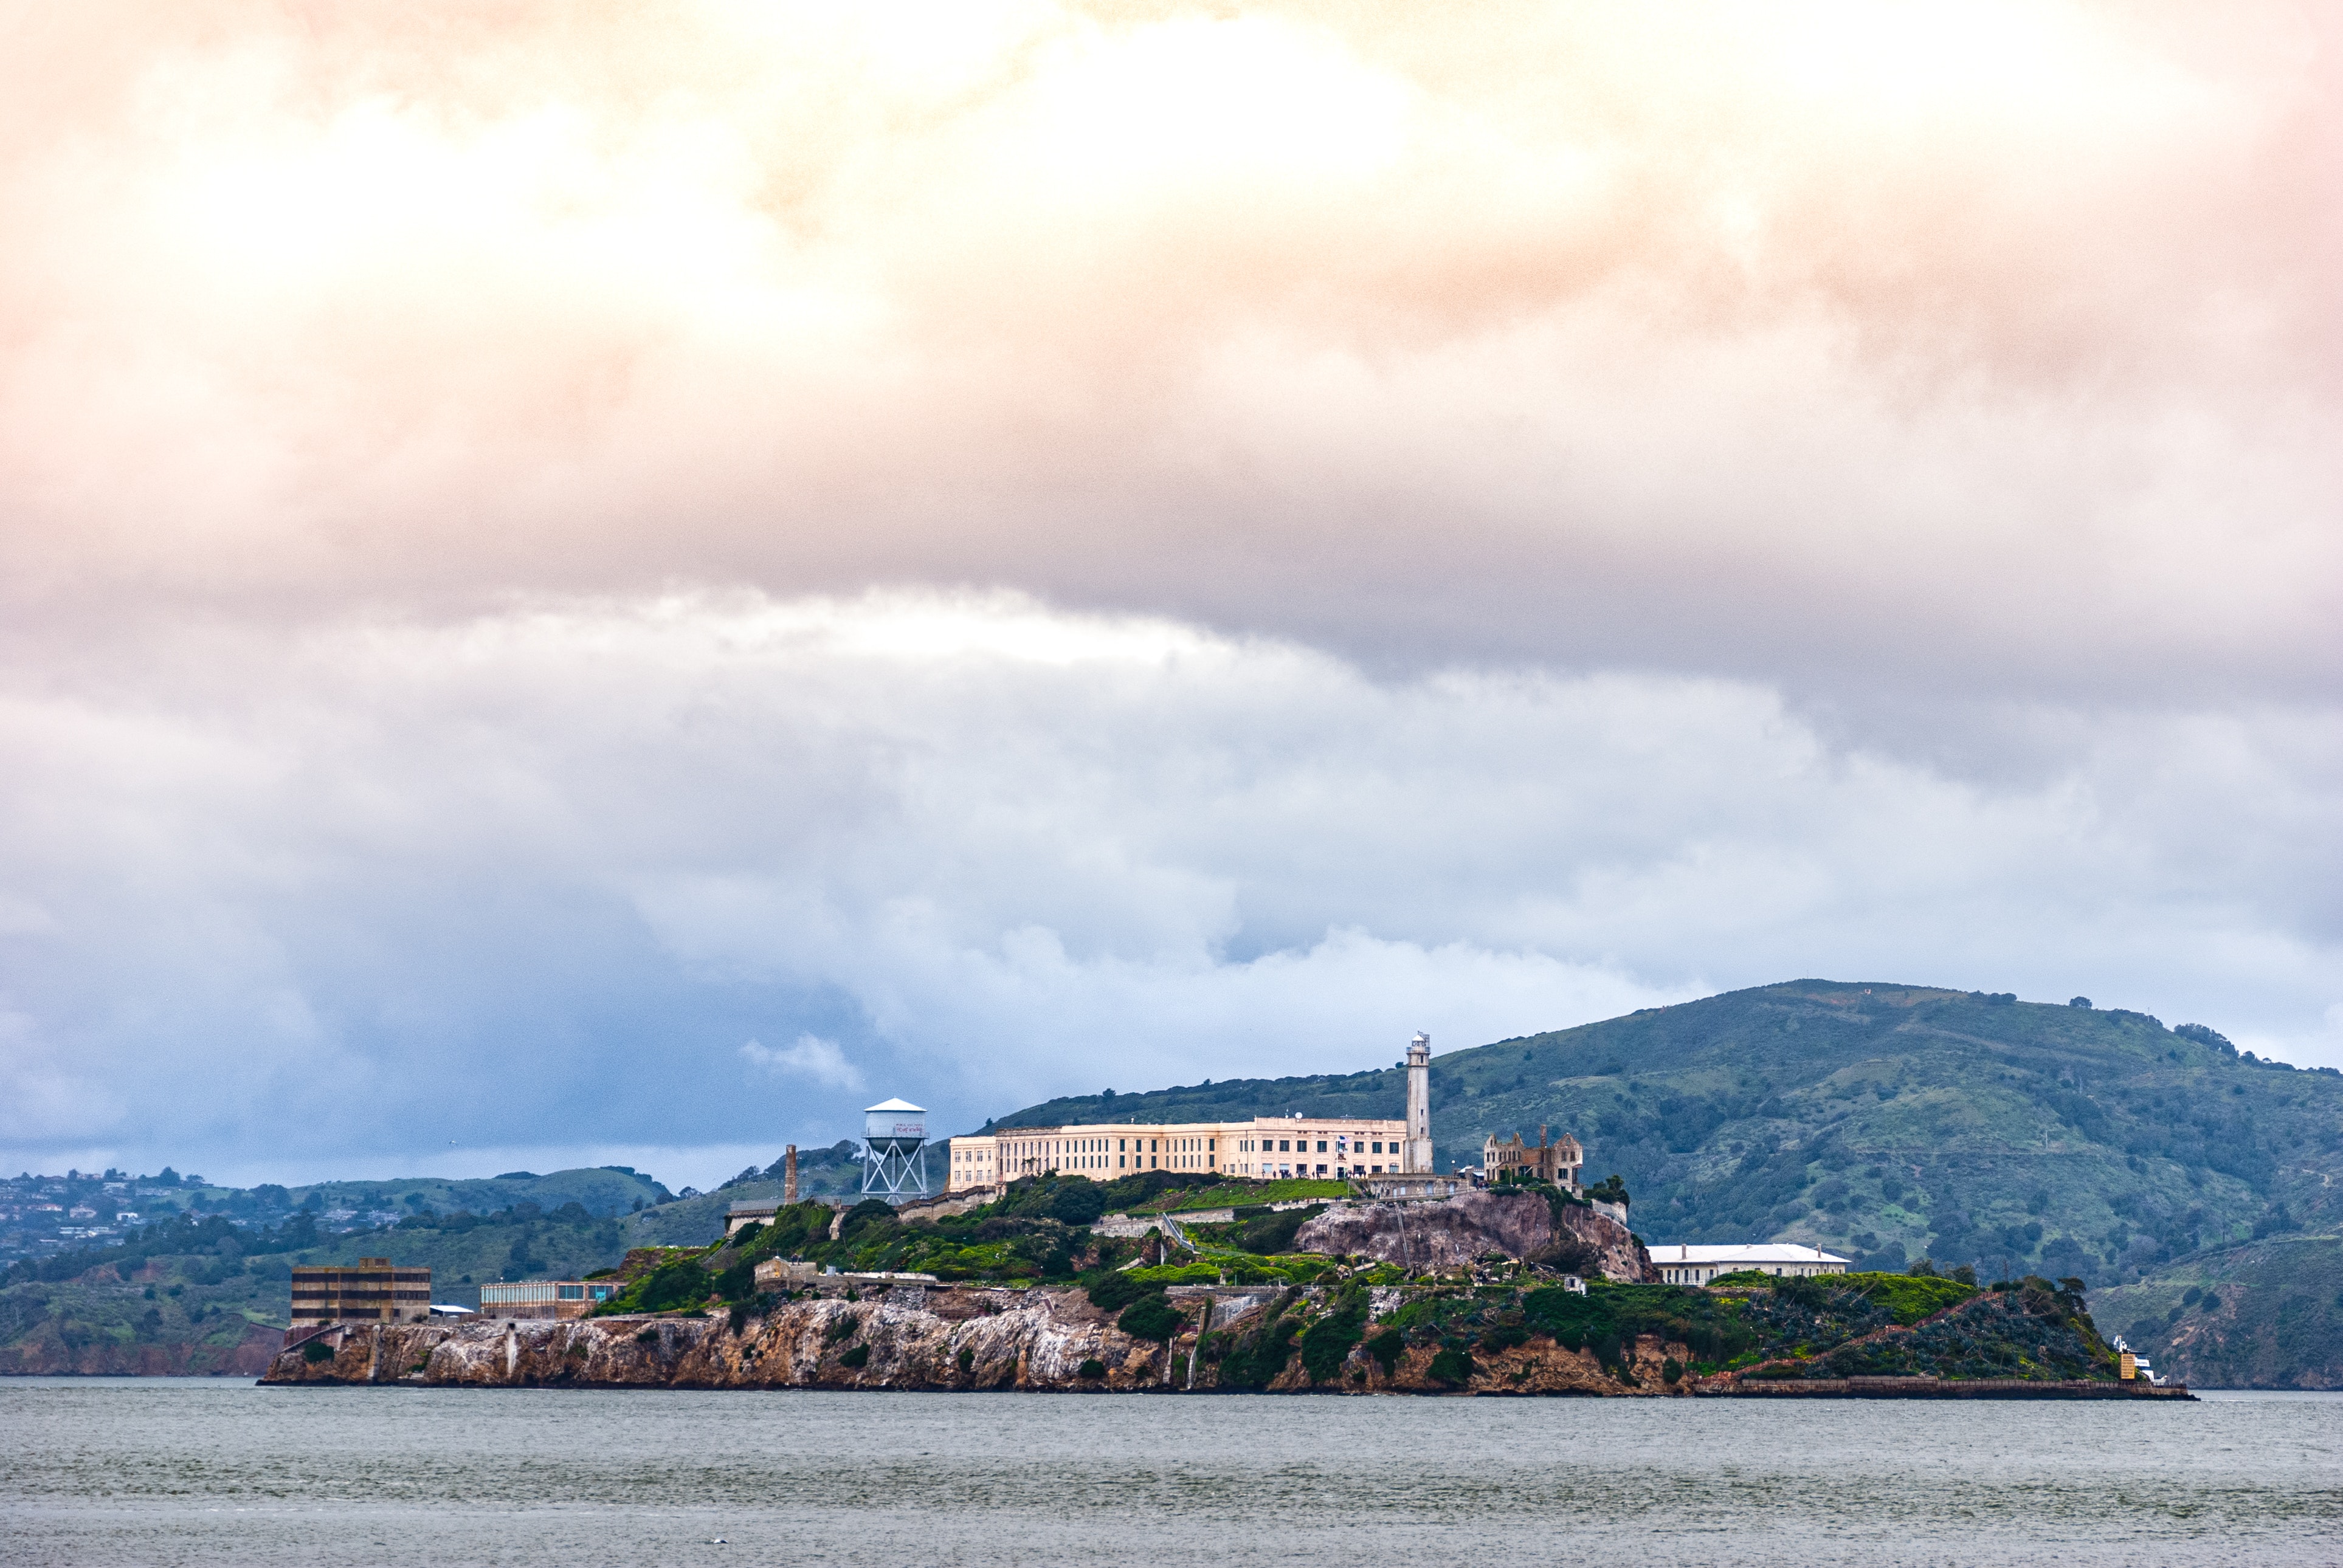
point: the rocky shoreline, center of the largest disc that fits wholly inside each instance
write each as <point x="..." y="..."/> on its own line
<point x="1037" y="1340"/>
<point x="939" y="1340"/>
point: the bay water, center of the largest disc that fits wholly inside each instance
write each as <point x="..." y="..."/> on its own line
<point x="202" y="1471"/>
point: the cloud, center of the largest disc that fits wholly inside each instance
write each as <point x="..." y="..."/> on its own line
<point x="812" y="1057"/>
<point x="1048" y="544"/>
<point x="530" y="879"/>
<point x="1883" y="356"/>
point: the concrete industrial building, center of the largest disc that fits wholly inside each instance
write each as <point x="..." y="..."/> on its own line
<point x="376" y="1291"/>
<point x="1699" y="1265"/>
<point x="545" y="1298"/>
<point x="753" y="1212"/>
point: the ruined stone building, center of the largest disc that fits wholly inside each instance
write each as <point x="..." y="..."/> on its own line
<point x="1510" y="1160"/>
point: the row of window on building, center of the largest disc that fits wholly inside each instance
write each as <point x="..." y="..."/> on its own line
<point x="1262" y="1148"/>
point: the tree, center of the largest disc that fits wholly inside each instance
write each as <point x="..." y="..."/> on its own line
<point x="1151" y="1317"/>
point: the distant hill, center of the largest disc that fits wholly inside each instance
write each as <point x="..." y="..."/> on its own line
<point x="1883" y="1122"/>
<point x="602" y="1191"/>
<point x="2258" y="1314"/>
<point x="201" y="1285"/>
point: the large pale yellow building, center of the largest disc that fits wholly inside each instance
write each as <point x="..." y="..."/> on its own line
<point x="1264" y="1149"/>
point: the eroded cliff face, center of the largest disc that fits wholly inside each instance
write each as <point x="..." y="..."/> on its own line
<point x="952" y="1338"/>
<point x="942" y="1339"/>
<point x="1455" y="1231"/>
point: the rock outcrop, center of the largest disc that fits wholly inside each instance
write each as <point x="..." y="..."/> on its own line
<point x="1456" y="1231"/>
<point x="905" y="1339"/>
<point x="975" y="1338"/>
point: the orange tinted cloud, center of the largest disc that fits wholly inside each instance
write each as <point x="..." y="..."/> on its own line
<point x="1533" y="331"/>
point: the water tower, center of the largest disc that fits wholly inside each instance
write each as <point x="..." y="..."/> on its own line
<point x="895" y="1166"/>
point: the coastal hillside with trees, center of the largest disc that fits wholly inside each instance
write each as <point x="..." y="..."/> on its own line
<point x="1894" y="1122"/>
<point x="1885" y="1122"/>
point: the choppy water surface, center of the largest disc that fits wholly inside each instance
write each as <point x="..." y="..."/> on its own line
<point x="163" y="1471"/>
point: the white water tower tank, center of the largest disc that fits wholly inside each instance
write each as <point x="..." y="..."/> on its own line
<point x="895" y="1164"/>
<point x="895" y="1124"/>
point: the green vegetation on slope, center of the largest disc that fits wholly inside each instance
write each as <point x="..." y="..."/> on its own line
<point x="1884" y="1122"/>
<point x="2260" y="1314"/>
<point x="2031" y="1330"/>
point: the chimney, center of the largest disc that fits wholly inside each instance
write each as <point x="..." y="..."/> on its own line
<point x="790" y="1174"/>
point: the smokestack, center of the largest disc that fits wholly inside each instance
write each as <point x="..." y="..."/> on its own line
<point x="790" y="1174"/>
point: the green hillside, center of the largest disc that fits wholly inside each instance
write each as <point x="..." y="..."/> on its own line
<point x="604" y="1190"/>
<point x="1883" y="1122"/>
<point x="212" y="1267"/>
<point x="2261" y="1314"/>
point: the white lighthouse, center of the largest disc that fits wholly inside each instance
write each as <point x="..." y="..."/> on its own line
<point x="1418" y="1105"/>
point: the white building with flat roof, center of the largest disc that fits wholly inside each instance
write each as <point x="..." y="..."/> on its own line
<point x="1699" y="1265"/>
<point x="1263" y="1148"/>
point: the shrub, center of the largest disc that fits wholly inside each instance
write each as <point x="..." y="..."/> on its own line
<point x="1504" y="1337"/>
<point x="1177" y="1274"/>
<point x="1572" y="1319"/>
<point x="842" y="1327"/>
<point x="2205" y="1035"/>
<point x="1275" y="1233"/>
<point x="1671" y="1370"/>
<point x="1326" y="1344"/>
<point x="1112" y="1292"/>
<point x="1077" y="1203"/>
<point x="1091" y="1368"/>
<point x="681" y="1283"/>
<point x="859" y="1356"/>
<point x="1387" y="1347"/>
<point x="316" y="1350"/>
<point x="1256" y="1363"/>
<point x="967" y="1358"/>
<point x="646" y="1337"/>
<point x="1451" y="1366"/>
<point x="1151" y="1317"/>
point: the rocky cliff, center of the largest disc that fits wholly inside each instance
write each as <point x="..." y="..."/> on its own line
<point x="1460" y="1230"/>
<point x="937" y="1339"/>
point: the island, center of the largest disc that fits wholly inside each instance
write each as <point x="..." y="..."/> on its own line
<point x="1517" y="1290"/>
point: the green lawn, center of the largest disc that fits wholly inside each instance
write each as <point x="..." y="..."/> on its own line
<point x="1239" y="1193"/>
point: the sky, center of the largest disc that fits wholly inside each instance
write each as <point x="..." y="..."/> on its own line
<point x="611" y="584"/>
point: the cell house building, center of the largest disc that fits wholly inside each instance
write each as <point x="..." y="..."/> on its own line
<point x="1262" y="1148"/>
